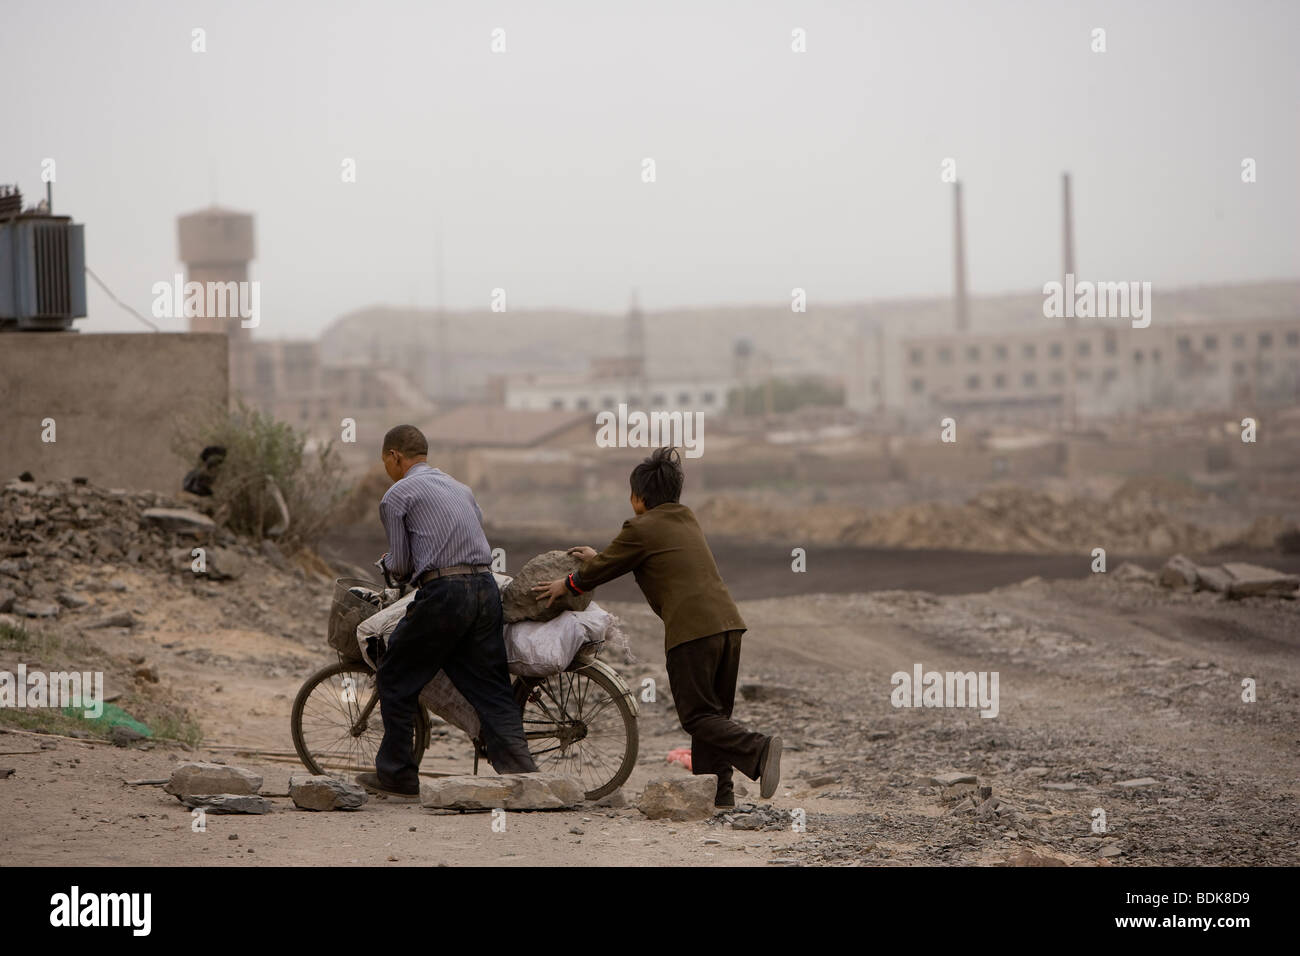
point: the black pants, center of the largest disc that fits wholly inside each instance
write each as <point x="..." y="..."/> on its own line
<point x="702" y="674"/>
<point x="453" y="624"/>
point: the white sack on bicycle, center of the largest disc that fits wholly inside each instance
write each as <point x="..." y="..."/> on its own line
<point x="533" y="648"/>
<point x="543" y="648"/>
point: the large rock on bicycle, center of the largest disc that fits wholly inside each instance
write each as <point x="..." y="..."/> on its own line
<point x="518" y="600"/>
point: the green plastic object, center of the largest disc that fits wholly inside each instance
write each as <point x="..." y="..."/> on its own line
<point x="113" y="716"/>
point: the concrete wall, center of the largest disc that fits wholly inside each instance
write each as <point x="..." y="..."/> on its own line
<point x="115" y="400"/>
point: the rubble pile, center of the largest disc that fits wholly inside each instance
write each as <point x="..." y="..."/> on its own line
<point x="977" y="803"/>
<point x="751" y="816"/>
<point x="1014" y="519"/>
<point x="997" y="519"/>
<point x="1234" y="580"/>
<point x="50" y="527"/>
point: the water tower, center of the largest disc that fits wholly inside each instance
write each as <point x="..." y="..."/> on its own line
<point x="216" y="245"/>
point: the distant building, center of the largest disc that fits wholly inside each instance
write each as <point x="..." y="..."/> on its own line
<point x="287" y="379"/>
<point x="1192" y="364"/>
<point x="494" y="448"/>
<point x="590" y="393"/>
<point x="216" y="246"/>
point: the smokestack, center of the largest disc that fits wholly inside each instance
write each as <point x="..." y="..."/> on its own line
<point x="959" y="262"/>
<point x="1067" y="255"/>
<point x="637" y="383"/>
<point x="1067" y="225"/>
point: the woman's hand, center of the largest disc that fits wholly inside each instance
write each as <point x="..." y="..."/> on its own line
<point x="550" y="590"/>
<point x="583" y="553"/>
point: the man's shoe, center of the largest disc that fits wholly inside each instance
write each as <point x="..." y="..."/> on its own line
<point x="370" y="781"/>
<point x="726" y="801"/>
<point x="769" y="768"/>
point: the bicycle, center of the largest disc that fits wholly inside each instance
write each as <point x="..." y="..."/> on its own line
<point x="580" y="722"/>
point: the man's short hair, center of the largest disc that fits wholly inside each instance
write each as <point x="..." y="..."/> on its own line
<point x="407" y="439"/>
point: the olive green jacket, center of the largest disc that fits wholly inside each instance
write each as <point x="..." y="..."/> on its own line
<point x="666" y="552"/>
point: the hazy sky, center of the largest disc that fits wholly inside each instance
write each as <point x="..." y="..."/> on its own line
<point x="775" y="169"/>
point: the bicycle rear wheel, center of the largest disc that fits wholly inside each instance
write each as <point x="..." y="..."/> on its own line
<point x="336" y="721"/>
<point x="581" y="724"/>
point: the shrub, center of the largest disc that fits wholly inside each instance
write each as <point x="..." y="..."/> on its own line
<point x="264" y="455"/>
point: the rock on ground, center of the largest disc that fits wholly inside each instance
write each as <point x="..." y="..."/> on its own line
<point x="1138" y="782"/>
<point x="464" y="793"/>
<point x="1179" y="572"/>
<point x="36" y="609"/>
<point x="227" y="802"/>
<point x="1213" y="579"/>
<point x="517" y="598"/>
<point x="225" y="564"/>
<point x="753" y="817"/>
<point x="1251" y="579"/>
<point x="951" y="779"/>
<point x="219" y="564"/>
<point x="680" y="798"/>
<point x="119" y="619"/>
<point x="321" y="792"/>
<point x="179" y="519"/>
<point x="197" y="778"/>
<point x="1128" y="571"/>
<point x="123" y="736"/>
<point x="71" y="600"/>
<point x="544" y="791"/>
<point x="522" y="791"/>
<point x="615" y="801"/>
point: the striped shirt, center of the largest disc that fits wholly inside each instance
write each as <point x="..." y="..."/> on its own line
<point x="432" y="521"/>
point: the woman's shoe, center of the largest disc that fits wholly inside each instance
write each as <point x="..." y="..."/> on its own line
<point x="769" y="768"/>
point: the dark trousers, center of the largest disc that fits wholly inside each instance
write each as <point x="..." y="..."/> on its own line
<point x="702" y="674"/>
<point x="453" y="624"/>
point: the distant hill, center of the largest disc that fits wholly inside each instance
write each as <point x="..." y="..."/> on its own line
<point x="699" y="342"/>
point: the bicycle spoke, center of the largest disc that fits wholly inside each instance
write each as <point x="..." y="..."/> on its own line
<point x="339" y="722"/>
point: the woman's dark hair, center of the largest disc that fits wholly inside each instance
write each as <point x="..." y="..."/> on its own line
<point x="659" y="478"/>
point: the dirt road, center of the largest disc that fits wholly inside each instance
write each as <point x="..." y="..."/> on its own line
<point x="764" y="570"/>
<point x="1100" y="683"/>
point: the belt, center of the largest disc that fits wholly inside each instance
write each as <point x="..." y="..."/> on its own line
<point x="435" y="573"/>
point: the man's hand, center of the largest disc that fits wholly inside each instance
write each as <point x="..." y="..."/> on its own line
<point x="383" y="569"/>
<point x="550" y="590"/>
<point x="583" y="553"/>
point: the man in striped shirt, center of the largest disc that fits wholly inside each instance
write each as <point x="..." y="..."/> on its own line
<point x="454" y="623"/>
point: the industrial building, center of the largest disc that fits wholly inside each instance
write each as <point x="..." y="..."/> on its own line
<point x="1032" y="368"/>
